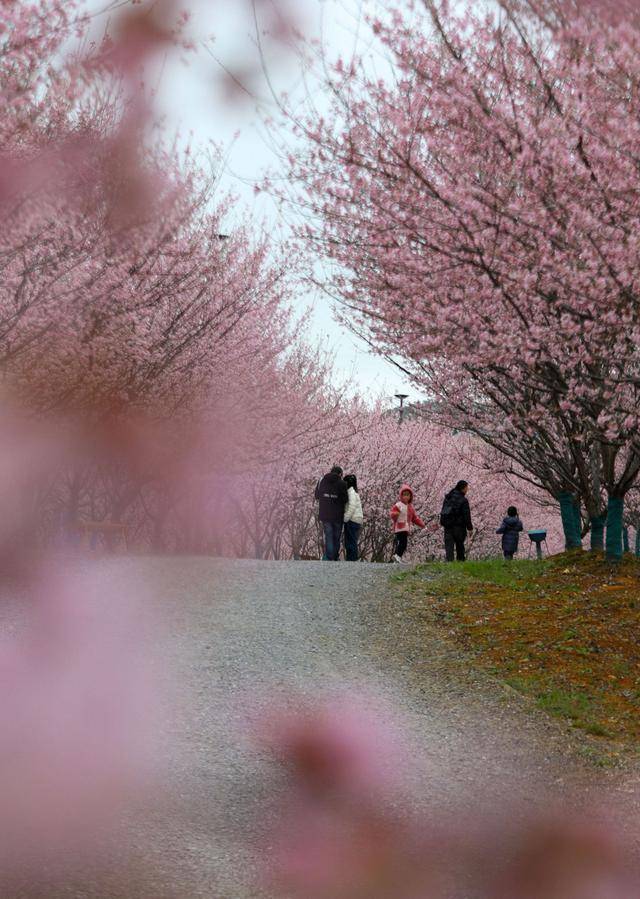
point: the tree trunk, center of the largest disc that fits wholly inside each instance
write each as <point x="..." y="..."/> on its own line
<point x="615" y="508"/>
<point x="567" y="512"/>
<point x="597" y="532"/>
<point x="578" y="518"/>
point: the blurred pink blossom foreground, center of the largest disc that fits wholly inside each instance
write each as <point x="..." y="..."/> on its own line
<point x="346" y="831"/>
<point x="76" y="719"/>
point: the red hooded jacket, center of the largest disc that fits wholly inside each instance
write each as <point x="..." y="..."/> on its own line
<point x="402" y="521"/>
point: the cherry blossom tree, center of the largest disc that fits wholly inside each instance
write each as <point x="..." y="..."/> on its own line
<point x="480" y="206"/>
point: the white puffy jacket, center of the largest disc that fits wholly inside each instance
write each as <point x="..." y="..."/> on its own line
<point x="353" y="509"/>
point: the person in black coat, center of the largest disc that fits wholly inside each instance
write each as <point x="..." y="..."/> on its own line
<point x="332" y="495"/>
<point x="510" y="530"/>
<point x="455" y="518"/>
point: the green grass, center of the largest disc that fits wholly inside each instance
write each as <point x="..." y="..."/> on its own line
<point x="490" y="571"/>
<point x="563" y="704"/>
<point x="562" y="631"/>
<point x="576" y="707"/>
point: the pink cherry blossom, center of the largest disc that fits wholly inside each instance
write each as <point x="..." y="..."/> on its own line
<point x="479" y="206"/>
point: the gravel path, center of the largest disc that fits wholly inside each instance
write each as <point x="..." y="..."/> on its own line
<point x="236" y="630"/>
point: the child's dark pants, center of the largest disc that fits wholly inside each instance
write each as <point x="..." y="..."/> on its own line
<point x="400" y="543"/>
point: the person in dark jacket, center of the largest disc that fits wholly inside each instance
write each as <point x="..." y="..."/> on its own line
<point x="510" y="530"/>
<point x="455" y="518"/>
<point x="332" y="495"/>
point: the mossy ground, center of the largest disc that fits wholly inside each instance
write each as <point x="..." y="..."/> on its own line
<point x="564" y="631"/>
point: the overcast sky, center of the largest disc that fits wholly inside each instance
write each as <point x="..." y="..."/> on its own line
<point x="194" y="102"/>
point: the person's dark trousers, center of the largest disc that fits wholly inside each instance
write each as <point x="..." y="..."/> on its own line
<point x="454" y="543"/>
<point x="400" y="543"/>
<point x="351" y="534"/>
<point x="508" y="555"/>
<point x="332" y="535"/>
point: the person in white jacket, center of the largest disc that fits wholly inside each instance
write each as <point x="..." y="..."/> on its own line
<point x="353" y="519"/>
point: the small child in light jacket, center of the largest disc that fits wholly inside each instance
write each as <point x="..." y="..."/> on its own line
<point x="403" y="516"/>
<point x="353" y="519"/>
<point x="510" y="530"/>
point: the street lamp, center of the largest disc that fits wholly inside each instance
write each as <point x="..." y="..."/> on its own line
<point x="402" y="397"/>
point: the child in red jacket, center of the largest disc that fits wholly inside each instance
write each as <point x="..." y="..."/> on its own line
<point x="403" y="516"/>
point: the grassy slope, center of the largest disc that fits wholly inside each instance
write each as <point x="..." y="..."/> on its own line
<point x="564" y="631"/>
